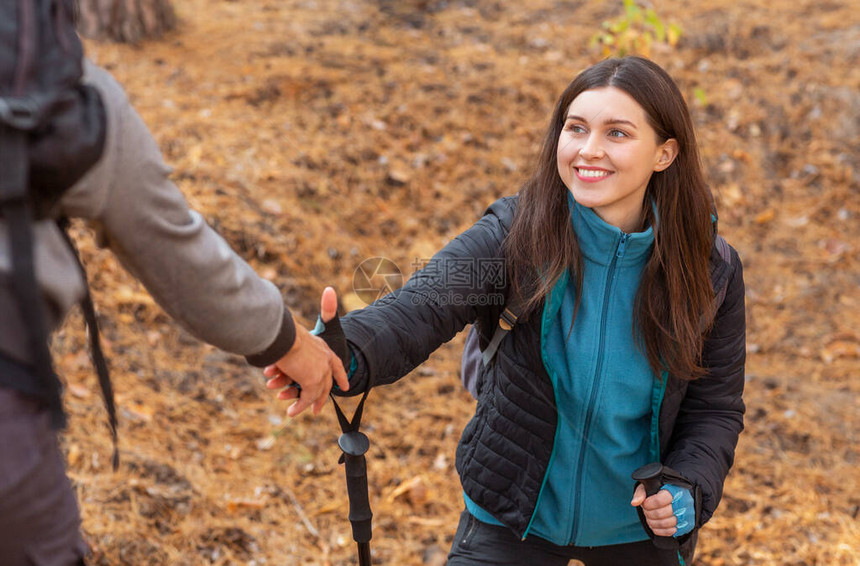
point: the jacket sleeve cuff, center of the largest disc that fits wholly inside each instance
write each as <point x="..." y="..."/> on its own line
<point x="356" y="373"/>
<point x="282" y="344"/>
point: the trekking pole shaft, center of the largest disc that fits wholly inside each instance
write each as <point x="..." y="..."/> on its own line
<point x="364" y="554"/>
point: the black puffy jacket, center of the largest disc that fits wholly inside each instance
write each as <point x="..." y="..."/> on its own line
<point x="505" y="449"/>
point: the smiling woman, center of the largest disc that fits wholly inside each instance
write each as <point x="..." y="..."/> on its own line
<point x="621" y="357"/>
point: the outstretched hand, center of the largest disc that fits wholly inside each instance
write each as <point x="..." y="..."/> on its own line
<point x="306" y="373"/>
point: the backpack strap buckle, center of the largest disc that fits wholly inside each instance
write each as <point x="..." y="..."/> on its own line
<point x="19" y="113"/>
<point x="508" y="319"/>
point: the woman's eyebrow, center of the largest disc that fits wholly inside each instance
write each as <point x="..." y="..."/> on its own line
<point x="607" y="122"/>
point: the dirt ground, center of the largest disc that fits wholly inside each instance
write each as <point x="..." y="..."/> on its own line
<point x="314" y="134"/>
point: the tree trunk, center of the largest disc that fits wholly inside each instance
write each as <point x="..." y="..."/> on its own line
<point x="125" y="20"/>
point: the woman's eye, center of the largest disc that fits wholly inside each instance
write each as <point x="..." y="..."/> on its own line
<point x="576" y="129"/>
<point x="617" y="134"/>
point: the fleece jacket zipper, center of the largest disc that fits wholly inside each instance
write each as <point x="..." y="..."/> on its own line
<point x="595" y="387"/>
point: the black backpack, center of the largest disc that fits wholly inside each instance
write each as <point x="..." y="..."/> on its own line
<point x="474" y="356"/>
<point x="52" y="130"/>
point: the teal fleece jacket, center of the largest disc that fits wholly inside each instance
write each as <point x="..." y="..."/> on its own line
<point x="604" y="389"/>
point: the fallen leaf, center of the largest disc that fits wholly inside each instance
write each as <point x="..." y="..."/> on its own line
<point x="840" y="349"/>
<point x="78" y="391"/>
<point x="272" y="206"/>
<point x="266" y="443"/>
<point x="399" y="176"/>
<point x="765" y="217"/>
<point x="126" y="295"/>
<point x="415" y="490"/>
<point x="74" y="455"/>
<point x="137" y="412"/>
<point x="236" y="504"/>
<point x="330" y="507"/>
<point x="741" y="155"/>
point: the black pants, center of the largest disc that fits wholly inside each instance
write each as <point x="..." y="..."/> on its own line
<point x="480" y="543"/>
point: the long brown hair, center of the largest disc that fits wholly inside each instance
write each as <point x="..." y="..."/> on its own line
<point x="675" y="293"/>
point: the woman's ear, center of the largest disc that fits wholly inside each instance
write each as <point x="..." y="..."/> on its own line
<point x="666" y="154"/>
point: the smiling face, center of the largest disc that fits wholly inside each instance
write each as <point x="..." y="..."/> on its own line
<point x="607" y="152"/>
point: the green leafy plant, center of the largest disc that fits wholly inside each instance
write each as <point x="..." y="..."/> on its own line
<point x="634" y="32"/>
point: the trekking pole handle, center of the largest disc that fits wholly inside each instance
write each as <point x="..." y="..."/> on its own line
<point x="651" y="477"/>
<point x="360" y="514"/>
<point x="354" y="445"/>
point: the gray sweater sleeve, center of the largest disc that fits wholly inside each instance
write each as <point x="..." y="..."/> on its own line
<point x="190" y="271"/>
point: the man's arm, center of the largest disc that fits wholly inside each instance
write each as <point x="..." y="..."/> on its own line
<point x="190" y="271"/>
<point x="188" y="268"/>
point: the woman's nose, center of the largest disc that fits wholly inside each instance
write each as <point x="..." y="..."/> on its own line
<point x="592" y="149"/>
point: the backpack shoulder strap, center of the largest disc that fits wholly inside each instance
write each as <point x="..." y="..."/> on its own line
<point x="15" y="208"/>
<point x="507" y="320"/>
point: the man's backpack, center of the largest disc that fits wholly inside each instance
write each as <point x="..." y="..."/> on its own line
<point x="473" y="357"/>
<point x="52" y="130"/>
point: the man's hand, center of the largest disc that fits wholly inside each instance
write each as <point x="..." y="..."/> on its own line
<point x="309" y="364"/>
<point x="658" y="511"/>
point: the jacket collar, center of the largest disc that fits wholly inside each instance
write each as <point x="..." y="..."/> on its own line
<point x="600" y="241"/>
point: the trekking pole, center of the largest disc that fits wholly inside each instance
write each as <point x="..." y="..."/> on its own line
<point x="354" y="445"/>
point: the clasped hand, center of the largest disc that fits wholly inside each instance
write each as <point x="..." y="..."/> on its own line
<point x="307" y="372"/>
<point x="659" y="512"/>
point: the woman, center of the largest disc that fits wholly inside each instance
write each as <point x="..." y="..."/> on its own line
<point x="621" y="357"/>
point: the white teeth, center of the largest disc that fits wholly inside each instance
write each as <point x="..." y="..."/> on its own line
<point x="592" y="173"/>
